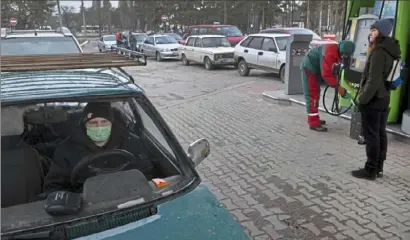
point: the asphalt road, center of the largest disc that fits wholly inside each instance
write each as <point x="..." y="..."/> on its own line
<point x="278" y="179"/>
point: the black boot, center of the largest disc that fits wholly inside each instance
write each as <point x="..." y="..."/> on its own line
<point x="379" y="173"/>
<point x="319" y="128"/>
<point x="365" y="173"/>
<point x="322" y="122"/>
<point x="361" y="141"/>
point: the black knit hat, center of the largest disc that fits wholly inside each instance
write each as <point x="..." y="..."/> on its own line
<point x="98" y="109"/>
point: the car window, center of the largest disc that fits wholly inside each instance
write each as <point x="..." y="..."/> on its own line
<point x="215" y="42"/>
<point x="194" y="31"/>
<point x="109" y="38"/>
<point x="268" y="44"/>
<point x="256" y="43"/>
<point x="246" y="42"/>
<point x="38" y="45"/>
<point x="165" y="40"/>
<point x="229" y="31"/>
<point x="190" y="41"/>
<point x="281" y="42"/>
<point x="140" y="37"/>
<point x="176" y="36"/>
<point x="205" y="30"/>
<point x="198" y="43"/>
<point x="150" y="126"/>
<point x="150" y="40"/>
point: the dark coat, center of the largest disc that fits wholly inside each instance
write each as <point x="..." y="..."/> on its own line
<point x="75" y="148"/>
<point x="377" y="70"/>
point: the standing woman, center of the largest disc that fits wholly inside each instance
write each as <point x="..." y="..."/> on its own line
<point x="374" y="96"/>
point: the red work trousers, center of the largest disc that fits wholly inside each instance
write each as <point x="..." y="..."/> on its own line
<point x="311" y="89"/>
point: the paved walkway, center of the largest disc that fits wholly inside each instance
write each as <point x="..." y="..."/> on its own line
<point x="282" y="181"/>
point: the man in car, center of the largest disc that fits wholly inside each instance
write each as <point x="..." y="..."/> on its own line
<point x="319" y="64"/>
<point x="97" y="131"/>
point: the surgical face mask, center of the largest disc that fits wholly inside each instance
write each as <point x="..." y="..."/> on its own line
<point x="99" y="134"/>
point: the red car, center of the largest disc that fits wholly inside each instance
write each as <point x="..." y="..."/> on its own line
<point x="233" y="34"/>
<point x="317" y="40"/>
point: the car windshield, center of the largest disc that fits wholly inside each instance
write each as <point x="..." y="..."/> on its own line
<point x="305" y="31"/>
<point x="38" y="45"/>
<point x="140" y="37"/>
<point x="69" y="133"/>
<point x="282" y="41"/>
<point x="229" y="31"/>
<point x="176" y="36"/>
<point x="165" y="40"/>
<point x="215" y="42"/>
<point x="110" y="38"/>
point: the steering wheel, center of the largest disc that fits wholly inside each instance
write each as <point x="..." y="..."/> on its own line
<point x="93" y="164"/>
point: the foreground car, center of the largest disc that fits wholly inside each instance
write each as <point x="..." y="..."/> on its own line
<point x="210" y="50"/>
<point x="42" y="108"/>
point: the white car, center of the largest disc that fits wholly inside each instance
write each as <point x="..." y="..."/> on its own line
<point x="210" y="50"/>
<point x="263" y="51"/>
<point x="105" y="43"/>
<point x="161" y="47"/>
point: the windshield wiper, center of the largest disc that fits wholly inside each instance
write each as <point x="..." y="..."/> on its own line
<point x="32" y="236"/>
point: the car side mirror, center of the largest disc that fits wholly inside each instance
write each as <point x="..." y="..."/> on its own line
<point x="198" y="151"/>
<point x="146" y="42"/>
<point x="273" y="50"/>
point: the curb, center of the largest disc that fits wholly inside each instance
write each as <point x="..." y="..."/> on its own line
<point x="344" y="116"/>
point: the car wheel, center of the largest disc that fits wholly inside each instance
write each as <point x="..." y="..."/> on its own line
<point x="158" y="57"/>
<point x="243" y="68"/>
<point x="185" y="60"/>
<point x="99" y="49"/>
<point x="282" y="74"/>
<point x="208" y="64"/>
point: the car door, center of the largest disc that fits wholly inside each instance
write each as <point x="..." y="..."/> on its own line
<point x="197" y="53"/>
<point x="251" y="52"/>
<point x="189" y="48"/>
<point x="148" y="46"/>
<point x="268" y="56"/>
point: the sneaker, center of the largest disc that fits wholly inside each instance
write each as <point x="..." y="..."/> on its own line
<point x="319" y="128"/>
<point x="379" y="173"/>
<point x="364" y="174"/>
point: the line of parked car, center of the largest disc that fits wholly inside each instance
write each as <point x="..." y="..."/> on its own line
<point x="221" y="45"/>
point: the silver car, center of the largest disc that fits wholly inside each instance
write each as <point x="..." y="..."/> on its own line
<point x="161" y="47"/>
<point x="105" y="42"/>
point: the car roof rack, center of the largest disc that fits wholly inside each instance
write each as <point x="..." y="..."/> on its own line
<point x="40" y="62"/>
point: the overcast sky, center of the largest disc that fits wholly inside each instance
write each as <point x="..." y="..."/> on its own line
<point x="77" y="4"/>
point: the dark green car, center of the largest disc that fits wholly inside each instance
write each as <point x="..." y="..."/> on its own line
<point x="120" y="198"/>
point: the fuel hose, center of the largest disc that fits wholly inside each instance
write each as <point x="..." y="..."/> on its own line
<point x="334" y="110"/>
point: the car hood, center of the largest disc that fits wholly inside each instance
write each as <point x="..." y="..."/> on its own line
<point x="174" y="45"/>
<point x="110" y="42"/>
<point x="196" y="215"/>
<point x="220" y="50"/>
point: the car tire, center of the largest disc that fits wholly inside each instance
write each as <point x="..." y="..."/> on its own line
<point x="243" y="68"/>
<point x="99" y="49"/>
<point x="158" y="57"/>
<point x="208" y="64"/>
<point x="282" y="74"/>
<point x="185" y="60"/>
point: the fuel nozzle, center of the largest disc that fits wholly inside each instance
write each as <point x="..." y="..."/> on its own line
<point x="345" y="61"/>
